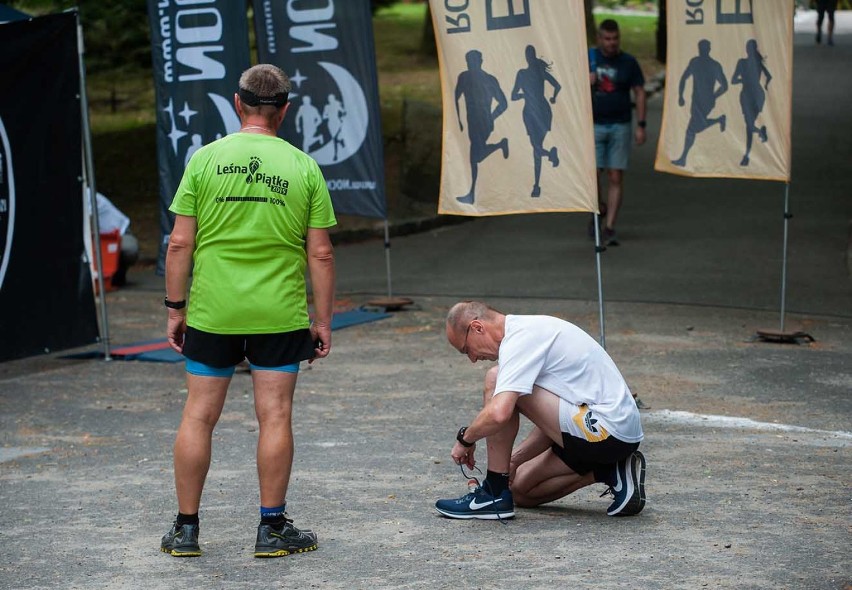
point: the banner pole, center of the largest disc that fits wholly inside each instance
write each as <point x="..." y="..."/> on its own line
<point x="598" y="250"/>
<point x="787" y="217"/>
<point x="781" y="335"/>
<point x="387" y="257"/>
<point x="92" y="189"/>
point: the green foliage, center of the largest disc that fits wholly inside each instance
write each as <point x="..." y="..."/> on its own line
<point x="379" y="4"/>
<point x="632" y="4"/>
<point x="116" y="33"/>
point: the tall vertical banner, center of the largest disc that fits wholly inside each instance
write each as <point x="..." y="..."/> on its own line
<point x="46" y="299"/>
<point x="729" y="88"/>
<point x="199" y="49"/>
<point x="517" y="131"/>
<point x="328" y="51"/>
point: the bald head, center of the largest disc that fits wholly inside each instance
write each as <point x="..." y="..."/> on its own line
<point x="461" y="314"/>
<point x="475" y="330"/>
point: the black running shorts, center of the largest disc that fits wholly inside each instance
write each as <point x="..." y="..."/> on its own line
<point x="262" y="350"/>
<point x="583" y="456"/>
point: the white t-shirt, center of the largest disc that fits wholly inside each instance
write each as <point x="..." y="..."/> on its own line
<point x="558" y="356"/>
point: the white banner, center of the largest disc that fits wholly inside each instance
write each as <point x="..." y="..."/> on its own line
<point x="517" y="132"/>
<point x="728" y="98"/>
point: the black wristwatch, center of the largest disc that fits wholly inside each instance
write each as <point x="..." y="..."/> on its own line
<point x="460" y="438"/>
<point x="641" y="124"/>
<point x="174" y="304"/>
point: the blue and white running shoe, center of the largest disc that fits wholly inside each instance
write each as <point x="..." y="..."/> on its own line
<point x="478" y="504"/>
<point x="629" y="489"/>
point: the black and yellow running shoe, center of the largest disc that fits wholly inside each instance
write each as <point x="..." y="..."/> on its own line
<point x="181" y="541"/>
<point x="278" y="541"/>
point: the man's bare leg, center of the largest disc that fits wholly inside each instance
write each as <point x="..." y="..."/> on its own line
<point x="193" y="443"/>
<point x="615" y="191"/>
<point x="546" y="478"/>
<point x="273" y="404"/>
<point x="500" y="443"/>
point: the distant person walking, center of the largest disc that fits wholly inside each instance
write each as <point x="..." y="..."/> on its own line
<point x="484" y="102"/>
<point x="613" y="74"/>
<point x="529" y="87"/>
<point x="749" y="72"/>
<point x="708" y="84"/>
<point x="824" y="7"/>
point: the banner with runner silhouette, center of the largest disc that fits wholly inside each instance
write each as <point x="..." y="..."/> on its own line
<point x="46" y="299"/>
<point x="729" y="85"/>
<point x="517" y="132"/>
<point x="199" y="52"/>
<point x="328" y="51"/>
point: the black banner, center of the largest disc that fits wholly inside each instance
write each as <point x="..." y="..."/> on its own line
<point x="46" y="300"/>
<point x="328" y="51"/>
<point x="200" y="48"/>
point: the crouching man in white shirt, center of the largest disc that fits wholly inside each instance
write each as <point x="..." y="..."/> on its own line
<point x="587" y="426"/>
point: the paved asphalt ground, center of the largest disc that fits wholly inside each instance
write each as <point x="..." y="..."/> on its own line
<point x="748" y="443"/>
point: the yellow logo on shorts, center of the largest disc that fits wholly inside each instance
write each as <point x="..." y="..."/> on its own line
<point x="589" y="425"/>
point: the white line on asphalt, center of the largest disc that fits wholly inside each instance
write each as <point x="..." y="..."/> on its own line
<point x="689" y="418"/>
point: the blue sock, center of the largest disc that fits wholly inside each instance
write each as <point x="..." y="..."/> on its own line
<point x="274" y="516"/>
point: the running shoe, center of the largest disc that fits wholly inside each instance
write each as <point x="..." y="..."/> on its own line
<point x="181" y="541"/>
<point x="629" y="489"/>
<point x="278" y="541"/>
<point x="479" y="504"/>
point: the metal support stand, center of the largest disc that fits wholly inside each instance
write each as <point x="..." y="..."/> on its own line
<point x="782" y="335"/>
<point x="598" y="250"/>
<point x="389" y="303"/>
<point x="89" y="182"/>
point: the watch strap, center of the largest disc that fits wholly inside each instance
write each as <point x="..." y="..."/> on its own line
<point x="174" y="304"/>
<point x="460" y="438"/>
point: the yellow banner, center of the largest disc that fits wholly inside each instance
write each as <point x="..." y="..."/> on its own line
<point x="517" y="131"/>
<point x="728" y="98"/>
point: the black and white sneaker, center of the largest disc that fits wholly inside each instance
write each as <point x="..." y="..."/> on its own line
<point x="629" y="488"/>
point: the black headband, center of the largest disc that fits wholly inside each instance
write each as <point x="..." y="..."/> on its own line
<point x="251" y="99"/>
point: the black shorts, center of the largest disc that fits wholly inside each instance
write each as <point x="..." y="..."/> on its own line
<point x="824" y="6"/>
<point x="263" y="350"/>
<point x="583" y="456"/>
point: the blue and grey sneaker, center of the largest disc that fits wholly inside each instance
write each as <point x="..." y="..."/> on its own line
<point x="181" y="541"/>
<point x="478" y="504"/>
<point x="629" y="488"/>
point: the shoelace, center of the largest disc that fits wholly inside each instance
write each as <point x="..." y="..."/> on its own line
<point x="608" y="491"/>
<point x="481" y="484"/>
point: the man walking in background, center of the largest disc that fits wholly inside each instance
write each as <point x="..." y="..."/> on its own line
<point x="613" y="74"/>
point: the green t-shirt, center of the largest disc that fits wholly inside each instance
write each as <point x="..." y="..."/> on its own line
<point x="254" y="197"/>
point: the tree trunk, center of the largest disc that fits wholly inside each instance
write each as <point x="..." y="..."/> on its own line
<point x="428" y="46"/>
<point x="662" y="32"/>
<point x="591" y="27"/>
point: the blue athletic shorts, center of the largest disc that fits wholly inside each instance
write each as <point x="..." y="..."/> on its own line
<point x="612" y="145"/>
<point x="202" y="370"/>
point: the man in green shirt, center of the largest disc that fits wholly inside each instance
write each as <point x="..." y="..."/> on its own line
<point x="252" y="213"/>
